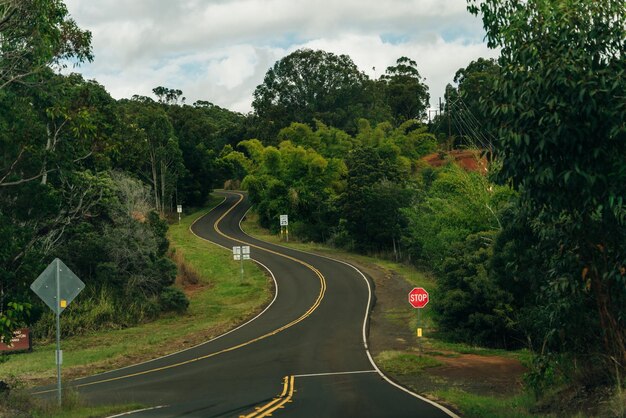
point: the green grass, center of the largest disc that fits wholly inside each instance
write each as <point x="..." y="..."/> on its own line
<point x="18" y="402"/>
<point x="401" y="363"/>
<point x="87" y="411"/>
<point x="523" y="355"/>
<point x="476" y="406"/>
<point x="219" y="302"/>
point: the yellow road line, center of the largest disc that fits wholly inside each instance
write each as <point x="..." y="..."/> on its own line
<point x="278" y="402"/>
<point x="233" y="348"/>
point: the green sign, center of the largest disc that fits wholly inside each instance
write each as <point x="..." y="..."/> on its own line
<point x="69" y="286"/>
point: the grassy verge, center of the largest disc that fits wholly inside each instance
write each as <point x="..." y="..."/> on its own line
<point x="476" y="406"/>
<point x="218" y="302"/>
<point x="401" y="363"/>
<point x="19" y="403"/>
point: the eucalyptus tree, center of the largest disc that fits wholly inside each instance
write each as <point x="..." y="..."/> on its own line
<point x="405" y="91"/>
<point x="35" y="35"/>
<point x="560" y="113"/>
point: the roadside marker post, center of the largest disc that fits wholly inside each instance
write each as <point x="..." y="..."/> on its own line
<point x="418" y="298"/>
<point x="241" y="253"/>
<point x="284" y="226"/>
<point x="57" y="286"/>
<point x="179" y="209"/>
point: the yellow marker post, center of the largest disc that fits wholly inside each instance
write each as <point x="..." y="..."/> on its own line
<point x="419" y="332"/>
<point x="63" y="303"/>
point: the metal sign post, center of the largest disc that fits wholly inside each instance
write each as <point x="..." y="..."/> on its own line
<point x="418" y="298"/>
<point x="284" y="223"/>
<point x="179" y="209"/>
<point x="57" y="286"/>
<point x="59" y="357"/>
<point x="241" y="253"/>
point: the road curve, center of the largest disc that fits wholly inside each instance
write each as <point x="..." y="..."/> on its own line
<point x="304" y="356"/>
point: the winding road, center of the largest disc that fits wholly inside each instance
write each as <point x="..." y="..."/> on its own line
<point x="305" y="355"/>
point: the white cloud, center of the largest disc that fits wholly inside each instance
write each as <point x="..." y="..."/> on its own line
<point x="219" y="50"/>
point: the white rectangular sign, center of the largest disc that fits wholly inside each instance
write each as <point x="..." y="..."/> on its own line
<point x="179" y="208"/>
<point x="284" y="220"/>
<point x="245" y="249"/>
<point x="237" y="257"/>
<point x="246" y="256"/>
<point x="237" y="250"/>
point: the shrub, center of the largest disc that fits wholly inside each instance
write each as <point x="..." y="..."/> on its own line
<point x="173" y="299"/>
<point x="469" y="305"/>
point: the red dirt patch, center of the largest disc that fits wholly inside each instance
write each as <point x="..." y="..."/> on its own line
<point x="481" y="374"/>
<point x="470" y="160"/>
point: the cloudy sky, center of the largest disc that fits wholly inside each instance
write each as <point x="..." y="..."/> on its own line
<point x="220" y="50"/>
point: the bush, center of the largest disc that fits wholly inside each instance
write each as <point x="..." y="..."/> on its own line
<point x="173" y="299"/>
<point x="469" y="305"/>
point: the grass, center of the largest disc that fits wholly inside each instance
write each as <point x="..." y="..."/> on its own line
<point x="19" y="403"/>
<point x="220" y="301"/>
<point x="523" y="355"/>
<point x="400" y="363"/>
<point x="476" y="406"/>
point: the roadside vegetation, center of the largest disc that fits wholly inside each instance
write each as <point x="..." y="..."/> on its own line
<point x="218" y="300"/>
<point x="510" y="202"/>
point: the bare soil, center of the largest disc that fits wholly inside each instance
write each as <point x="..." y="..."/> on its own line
<point x="470" y="160"/>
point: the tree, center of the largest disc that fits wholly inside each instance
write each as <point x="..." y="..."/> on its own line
<point x="36" y="34"/>
<point x="560" y="114"/>
<point x="307" y="85"/>
<point x="168" y="96"/>
<point x="405" y="91"/>
<point x="151" y="150"/>
<point x="374" y="197"/>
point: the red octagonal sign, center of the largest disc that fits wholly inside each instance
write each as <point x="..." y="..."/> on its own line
<point x="418" y="297"/>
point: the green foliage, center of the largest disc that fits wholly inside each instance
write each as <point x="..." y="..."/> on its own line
<point x="203" y="131"/>
<point x="560" y="115"/>
<point x="374" y="196"/>
<point x="405" y="92"/>
<point x="97" y="309"/>
<point x="470" y="305"/>
<point x="36" y="34"/>
<point x="173" y="299"/>
<point x="13" y="317"/>
<point x="297" y="181"/>
<point x="309" y="85"/>
<point x="453" y="204"/>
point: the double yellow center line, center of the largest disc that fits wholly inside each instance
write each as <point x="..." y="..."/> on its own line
<point x="278" y="402"/>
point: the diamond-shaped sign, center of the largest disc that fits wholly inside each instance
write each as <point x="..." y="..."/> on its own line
<point x="45" y="286"/>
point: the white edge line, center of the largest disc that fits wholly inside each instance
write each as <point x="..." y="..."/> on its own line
<point x="365" y="321"/>
<point x="137" y="411"/>
<point x="334" y="373"/>
<point x="215" y="338"/>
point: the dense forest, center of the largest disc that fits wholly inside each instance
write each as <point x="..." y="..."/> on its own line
<point x="524" y="230"/>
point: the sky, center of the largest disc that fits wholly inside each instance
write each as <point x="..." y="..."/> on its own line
<point x="220" y="50"/>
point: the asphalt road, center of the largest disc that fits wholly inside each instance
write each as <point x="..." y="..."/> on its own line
<point x="304" y="356"/>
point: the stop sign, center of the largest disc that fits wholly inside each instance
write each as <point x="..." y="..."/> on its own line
<point x="418" y="297"/>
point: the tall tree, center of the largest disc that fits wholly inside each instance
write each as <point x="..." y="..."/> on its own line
<point x="307" y="85"/>
<point x="405" y="91"/>
<point x="36" y="34"/>
<point x="560" y="113"/>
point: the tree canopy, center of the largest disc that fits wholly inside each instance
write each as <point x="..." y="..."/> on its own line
<point x="309" y="85"/>
<point x="560" y="115"/>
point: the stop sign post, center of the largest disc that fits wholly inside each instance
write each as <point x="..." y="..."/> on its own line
<point x="418" y="298"/>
